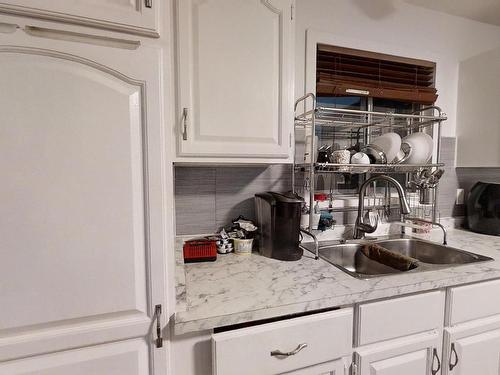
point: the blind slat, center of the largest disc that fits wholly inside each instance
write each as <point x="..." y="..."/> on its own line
<point x="339" y="69"/>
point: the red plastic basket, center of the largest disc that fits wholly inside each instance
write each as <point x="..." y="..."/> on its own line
<point x="200" y="251"/>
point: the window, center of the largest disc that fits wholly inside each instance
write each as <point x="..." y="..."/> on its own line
<point x="343" y="71"/>
<point x="355" y="79"/>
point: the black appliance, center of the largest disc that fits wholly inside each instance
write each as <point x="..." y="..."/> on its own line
<point x="278" y="219"/>
<point x="483" y="208"/>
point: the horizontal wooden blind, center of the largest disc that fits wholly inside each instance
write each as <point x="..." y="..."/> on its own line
<point x="343" y="71"/>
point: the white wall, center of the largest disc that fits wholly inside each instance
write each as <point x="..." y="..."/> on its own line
<point x="478" y="120"/>
<point x="394" y="27"/>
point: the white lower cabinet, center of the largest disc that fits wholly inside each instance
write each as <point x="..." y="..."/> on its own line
<point x="397" y="336"/>
<point x="473" y="348"/>
<point x="400" y="335"/>
<point x="128" y="357"/>
<point x="339" y="367"/>
<point x="314" y="345"/>
<point x="413" y="355"/>
<point x="472" y="338"/>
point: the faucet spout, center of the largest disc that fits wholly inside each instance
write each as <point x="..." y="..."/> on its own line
<point x="360" y="227"/>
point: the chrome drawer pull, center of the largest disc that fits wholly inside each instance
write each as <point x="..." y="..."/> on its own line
<point x="279" y="353"/>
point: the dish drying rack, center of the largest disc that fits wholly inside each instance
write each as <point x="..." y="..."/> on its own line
<point x="346" y="121"/>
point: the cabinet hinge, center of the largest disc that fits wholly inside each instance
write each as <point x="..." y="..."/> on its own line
<point x="292" y="8"/>
<point x="157" y="316"/>
<point x="148" y="3"/>
<point x="354" y="369"/>
<point x="290" y="140"/>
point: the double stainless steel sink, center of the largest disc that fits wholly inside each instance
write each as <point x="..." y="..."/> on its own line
<point x="425" y="256"/>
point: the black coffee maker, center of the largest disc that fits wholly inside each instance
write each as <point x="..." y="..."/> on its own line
<point x="278" y="219"/>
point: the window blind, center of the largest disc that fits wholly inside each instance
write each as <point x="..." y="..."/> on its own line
<point x="343" y="71"/>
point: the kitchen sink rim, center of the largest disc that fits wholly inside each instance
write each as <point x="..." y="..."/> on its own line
<point x="422" y="266"/>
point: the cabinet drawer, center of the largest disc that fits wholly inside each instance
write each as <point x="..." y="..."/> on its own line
<point x="398" y="317"/>
<point x="475" y="301"/>
<point x="248" y="351"/>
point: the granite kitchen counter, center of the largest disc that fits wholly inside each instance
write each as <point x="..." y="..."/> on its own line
<point x="237" y="289"/>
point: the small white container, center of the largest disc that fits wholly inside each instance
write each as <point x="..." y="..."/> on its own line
<point x="315" y="221"/>
<point x="243" y="247"/>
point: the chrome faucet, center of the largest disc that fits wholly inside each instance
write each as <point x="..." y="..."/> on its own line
<point x="316" y="243"/>
<point x="360" y="228"/>
<point x="418" y="220"/>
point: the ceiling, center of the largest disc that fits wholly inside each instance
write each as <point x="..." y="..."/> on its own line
<point x="487" y="11"/>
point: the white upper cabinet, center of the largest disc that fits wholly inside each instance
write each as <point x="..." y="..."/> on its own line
<point x="140" y="17"/>
<point x="82" y="224"/>
<point x="478" y="112"/>
<point x="235" y="88"/>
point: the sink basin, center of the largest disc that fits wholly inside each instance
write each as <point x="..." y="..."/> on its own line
<point x="429" y="252"/>
<point x="350" y="259"/>
<point x="427" y="256"/>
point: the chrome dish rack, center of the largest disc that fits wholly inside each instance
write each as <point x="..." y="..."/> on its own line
<point x="345" y="121"/>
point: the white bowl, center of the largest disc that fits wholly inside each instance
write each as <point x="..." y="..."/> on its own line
<point x="421" y="147"/>
<point x="360" y="158"/>
<point x="389" y="143"/>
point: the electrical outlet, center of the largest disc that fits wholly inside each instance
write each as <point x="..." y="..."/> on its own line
<point x="460" y="199"/>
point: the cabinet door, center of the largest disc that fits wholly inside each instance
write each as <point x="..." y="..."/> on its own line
<point x="128" y="357"/>
<point x="82" y="224"/>
<point x="338" y="367"/>
<point x="235" y="64"/>
<point x="129" y="16"/>
<point x="413" y="355"/>
<point x="474" y="348"/>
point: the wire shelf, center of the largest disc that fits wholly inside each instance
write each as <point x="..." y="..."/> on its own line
<point x="333" y="124"/>
<point x="349" y="118"/>
<point x="366" y="168"/>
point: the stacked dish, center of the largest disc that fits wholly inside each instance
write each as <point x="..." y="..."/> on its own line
<point x="389" y="148"/>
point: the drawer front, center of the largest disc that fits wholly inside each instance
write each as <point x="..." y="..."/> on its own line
<point x="328" y="336"/>
<point x="398" y="317"/>
<point x="474" y="301"/>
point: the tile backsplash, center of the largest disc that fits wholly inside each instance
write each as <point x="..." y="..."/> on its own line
<point x="209" y="197"/>
<point x="455" y="178"/>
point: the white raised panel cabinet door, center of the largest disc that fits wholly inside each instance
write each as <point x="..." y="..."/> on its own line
<point x="235" y="64"/>
<point x="128" y="357"/>
<point x="413" y="355"/>
<point x="129" y="16"/>
<point x="82" y="224"/>
<point x="338" y="367"/>
<point x="474" y="348"/>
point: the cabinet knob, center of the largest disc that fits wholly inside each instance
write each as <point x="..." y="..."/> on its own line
<point x="279" y="353"/>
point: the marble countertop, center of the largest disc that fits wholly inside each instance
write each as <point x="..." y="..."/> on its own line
<point x="239" y="288"/>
